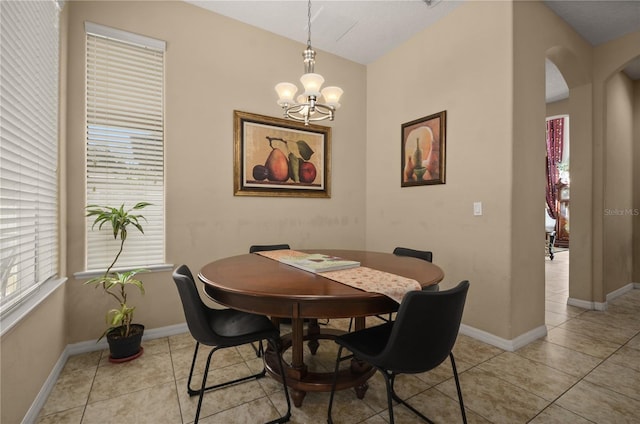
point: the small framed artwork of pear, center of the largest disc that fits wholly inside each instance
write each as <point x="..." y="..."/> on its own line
<point x="279" y="157"/>
<point x="423" y="150"/>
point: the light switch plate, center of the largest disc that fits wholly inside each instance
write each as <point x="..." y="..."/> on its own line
<point x="477" y="208"/>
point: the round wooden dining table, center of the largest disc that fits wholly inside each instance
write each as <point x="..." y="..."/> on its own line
<point x="257" y="284"/>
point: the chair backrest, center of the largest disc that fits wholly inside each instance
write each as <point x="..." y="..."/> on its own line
<point x="265" y="247"/>
<point x="425" y="255"/>
<point x="425" y="330"/>
<point x="195" y="311"/>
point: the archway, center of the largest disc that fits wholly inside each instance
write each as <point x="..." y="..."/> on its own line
<point x="578" y="107"/>
<point x="557" y="208"/>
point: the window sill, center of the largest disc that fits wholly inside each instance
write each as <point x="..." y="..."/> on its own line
<point x="97" y="273"/>
<point x="29" y="304"/>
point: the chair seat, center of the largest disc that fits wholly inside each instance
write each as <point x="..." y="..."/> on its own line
<point x="237" y="327"/>
<point x="368" y="343"/>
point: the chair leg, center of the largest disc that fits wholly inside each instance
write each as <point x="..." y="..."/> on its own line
<point x="334" y="383"/>
<point x="204" y="383"/>
<point x="285" y="418"/>
<point x="193" y="392"/>
<point x="259" y="349"/>
<point x="388" y="381"/>
<point x="393" y="395"/>
<point x="455" y="375"/>
<point x="204" y="388"/>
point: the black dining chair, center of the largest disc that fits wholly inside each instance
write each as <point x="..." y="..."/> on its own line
<point x="220" y="329"/>
<point x="420" y="339"/>
<point x="266" y="247"/>
<point x="425" y="255"/>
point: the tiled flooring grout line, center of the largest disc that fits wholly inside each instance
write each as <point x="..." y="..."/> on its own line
<point x="175" y="381"/>
<point x="93" y="381"/>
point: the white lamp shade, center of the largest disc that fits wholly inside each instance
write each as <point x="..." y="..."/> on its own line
<point x="312" y="83"/>
<point x="332" y="96"/>
<point x="285" y="91"/>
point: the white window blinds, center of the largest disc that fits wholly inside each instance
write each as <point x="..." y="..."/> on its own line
<point x="29" y="104"/>
<point x="125" y="142"/>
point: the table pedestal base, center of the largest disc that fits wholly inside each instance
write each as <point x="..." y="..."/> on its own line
<point x="300" y="380"/>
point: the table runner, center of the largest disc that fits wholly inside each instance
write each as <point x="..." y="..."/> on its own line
<point x="362" y="277"/>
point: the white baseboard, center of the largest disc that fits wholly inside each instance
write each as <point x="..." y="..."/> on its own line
<point x="586" y="304"/>
<point x="85" y="347"/>
<point x="508" y="345"/>
<point x="602" y="306"/>
<point x="622" y="290"/>
<point x="32" y="414"/>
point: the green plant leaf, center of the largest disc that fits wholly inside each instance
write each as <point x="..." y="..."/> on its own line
<point x="304" y="149"/>
<point x="141" y="205"/>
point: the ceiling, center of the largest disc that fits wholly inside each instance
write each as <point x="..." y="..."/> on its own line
<point x="364" y="30"/>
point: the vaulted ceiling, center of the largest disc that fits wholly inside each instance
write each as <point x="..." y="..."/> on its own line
<point x="364" y="30"/>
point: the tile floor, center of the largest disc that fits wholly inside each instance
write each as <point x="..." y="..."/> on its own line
<point x="587" y="370"/>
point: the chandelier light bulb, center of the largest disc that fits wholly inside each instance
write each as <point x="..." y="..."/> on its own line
<point x="286" y="91"/>
<point x="312" y="83"/>
<point x="332" y="96"/>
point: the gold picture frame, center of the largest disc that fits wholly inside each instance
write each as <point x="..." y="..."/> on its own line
<point x="423" y="140"/>
<point x="279" y="157"/>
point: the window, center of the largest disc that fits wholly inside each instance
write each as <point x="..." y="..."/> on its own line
<point x="125" y="141"/>
<point x="29" y="104"/>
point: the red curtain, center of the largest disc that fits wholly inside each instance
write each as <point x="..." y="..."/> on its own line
<point x="555" y="136"/>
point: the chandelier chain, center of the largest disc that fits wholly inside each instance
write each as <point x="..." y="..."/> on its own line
<point x="309" y="24"/>
<point x="314" y="104"/>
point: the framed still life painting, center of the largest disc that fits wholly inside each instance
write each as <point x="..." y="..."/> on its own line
<point x="423" y="150"/>
<point x="279" y="157"/>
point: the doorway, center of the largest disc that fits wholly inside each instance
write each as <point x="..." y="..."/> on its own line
<point x="557" y="219"/>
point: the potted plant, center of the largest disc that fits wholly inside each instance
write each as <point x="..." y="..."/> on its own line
<point x="124" y="337"/>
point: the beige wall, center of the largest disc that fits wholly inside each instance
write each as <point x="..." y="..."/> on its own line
<point x="28" y="353"/>
<point x="636" y="182"/>
<point x="618" y="188"/>
<point x="561" y="107"/>
<point x="213" y="66"/>
<point x="444" y="68"/>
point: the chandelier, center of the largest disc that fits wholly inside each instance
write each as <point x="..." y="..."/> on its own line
<point x="309" y="106"/>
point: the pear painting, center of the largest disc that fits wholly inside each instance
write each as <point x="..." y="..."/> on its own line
<point x="294" y="166"/>
<point x="276" y="157"/>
